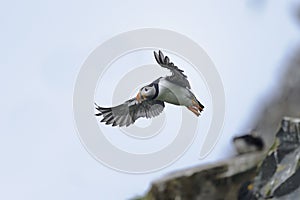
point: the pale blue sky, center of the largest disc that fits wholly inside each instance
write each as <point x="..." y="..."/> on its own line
<point x="43" y="45"/>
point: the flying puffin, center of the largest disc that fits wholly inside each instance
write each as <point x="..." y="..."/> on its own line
<point x="149" y="102"/>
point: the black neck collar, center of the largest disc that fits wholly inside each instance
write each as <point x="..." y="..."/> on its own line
<point x="156" y="90"/>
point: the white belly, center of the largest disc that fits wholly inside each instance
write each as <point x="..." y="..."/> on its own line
<point x="174" y="94"/>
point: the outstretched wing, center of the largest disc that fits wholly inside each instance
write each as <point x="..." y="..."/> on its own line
<point x="128" y="112"/>
<point x="177" y="76"/>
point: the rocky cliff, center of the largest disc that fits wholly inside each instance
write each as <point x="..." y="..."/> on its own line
<point x="252" y="175"/>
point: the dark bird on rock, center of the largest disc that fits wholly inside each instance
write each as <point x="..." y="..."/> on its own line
<point x="150" y="100"/>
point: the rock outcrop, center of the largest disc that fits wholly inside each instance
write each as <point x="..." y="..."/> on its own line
<point x="253" y="175"/>
<point x="279" y="173"/>
<point x="220" y="181"/>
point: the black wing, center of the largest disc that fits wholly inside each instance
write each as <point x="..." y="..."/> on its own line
<point x="177" y="76"/>
<point x="128" y="112"/>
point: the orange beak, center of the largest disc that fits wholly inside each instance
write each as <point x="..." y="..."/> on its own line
<point x="138" y="97"/>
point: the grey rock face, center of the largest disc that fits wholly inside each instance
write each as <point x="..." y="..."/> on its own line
<point x="279" y="173"/>
<point x="274" y="175"/>
<point x="220" y="181"/>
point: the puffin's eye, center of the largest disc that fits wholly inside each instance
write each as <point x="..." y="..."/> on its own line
<point x="146" y="89"/>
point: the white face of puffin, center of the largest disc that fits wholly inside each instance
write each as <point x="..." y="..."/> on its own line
<point x="145" y="93"/>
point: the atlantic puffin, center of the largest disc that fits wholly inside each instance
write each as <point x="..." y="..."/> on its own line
<point x="149" y="102"/>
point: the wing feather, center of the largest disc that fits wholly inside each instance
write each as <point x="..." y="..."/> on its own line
<point x="177" y="76"/>
<point x="128" y="112"/>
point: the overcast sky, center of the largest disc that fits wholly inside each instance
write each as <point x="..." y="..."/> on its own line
<point x="43" y="45"/>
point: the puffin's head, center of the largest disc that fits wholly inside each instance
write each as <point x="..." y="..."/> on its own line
<point x="146" y="92"/>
